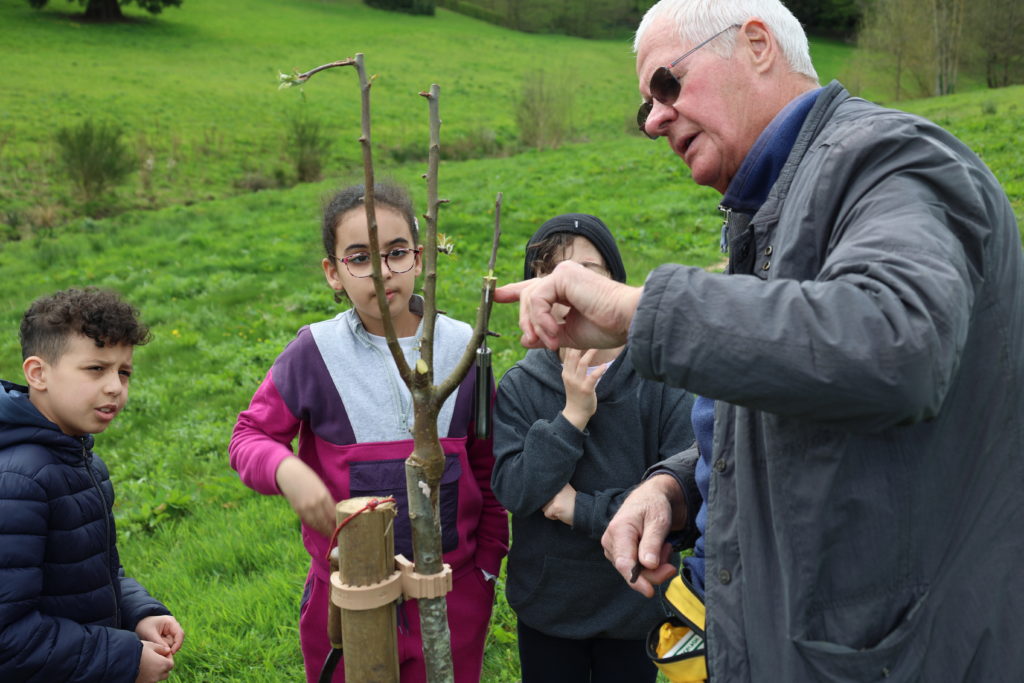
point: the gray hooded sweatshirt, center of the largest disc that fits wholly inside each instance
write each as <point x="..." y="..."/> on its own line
<point x="559" y="581"/>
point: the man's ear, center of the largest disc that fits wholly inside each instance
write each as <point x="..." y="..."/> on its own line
<point x="35" y="368"/>
<point x="760" y="42"/>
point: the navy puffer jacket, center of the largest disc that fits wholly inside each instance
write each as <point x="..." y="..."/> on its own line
<point x="67" y="611"/>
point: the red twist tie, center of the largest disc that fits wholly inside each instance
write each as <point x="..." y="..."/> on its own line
<point x="370" y="505"/>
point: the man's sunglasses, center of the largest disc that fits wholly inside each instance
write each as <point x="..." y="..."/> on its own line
<point x="665" y="87"/>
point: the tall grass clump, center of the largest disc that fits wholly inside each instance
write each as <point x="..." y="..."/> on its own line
<point x="544" y="110"/>
<point x="94" y="156"/>
<point x="307" y="146"/>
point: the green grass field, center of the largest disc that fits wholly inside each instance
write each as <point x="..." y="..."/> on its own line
<point x="225" y="277"/>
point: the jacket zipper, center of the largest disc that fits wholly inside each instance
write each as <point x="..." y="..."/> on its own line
<point x="106" y="521"/>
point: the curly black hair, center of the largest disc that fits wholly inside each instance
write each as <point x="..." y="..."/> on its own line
<point x="100" y="314"/>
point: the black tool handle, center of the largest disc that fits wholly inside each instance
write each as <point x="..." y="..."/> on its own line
<point x="482" y="399"/>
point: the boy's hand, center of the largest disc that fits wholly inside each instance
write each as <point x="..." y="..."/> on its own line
<point x="562" y="507"/>
<point x="156" y="662"/>
<point x="308" y="495"/>
<point x="161" y="629"/>
<point x="580" y="388"/>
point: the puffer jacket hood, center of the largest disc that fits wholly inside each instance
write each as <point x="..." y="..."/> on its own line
<point x="21" y="422"/>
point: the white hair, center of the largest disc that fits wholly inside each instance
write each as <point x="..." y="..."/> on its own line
<point x="697" y="20"/>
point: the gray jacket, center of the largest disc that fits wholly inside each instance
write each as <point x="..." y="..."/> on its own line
<point x="866" y="507"/>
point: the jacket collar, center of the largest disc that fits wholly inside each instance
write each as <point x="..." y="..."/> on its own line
<point x="762" y="165"/>
<point x="21" y="422"/>
<point x="769" y="167"/>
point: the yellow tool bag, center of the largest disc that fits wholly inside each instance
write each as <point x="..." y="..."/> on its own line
<point x="676" y="645"/>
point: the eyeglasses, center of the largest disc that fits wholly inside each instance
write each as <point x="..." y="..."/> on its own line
<point x="665" y="87"/>
<point x="398" y="260"/>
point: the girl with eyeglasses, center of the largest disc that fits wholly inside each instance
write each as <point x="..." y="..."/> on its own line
<point x="337" y="388"/>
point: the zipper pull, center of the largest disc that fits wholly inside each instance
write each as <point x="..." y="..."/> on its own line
<point x="724" y="243"/>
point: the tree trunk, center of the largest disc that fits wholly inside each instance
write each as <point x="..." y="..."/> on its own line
<point x="423" y="470"/>
<point x="949" y="21"/>
<point x="103" y="10"/>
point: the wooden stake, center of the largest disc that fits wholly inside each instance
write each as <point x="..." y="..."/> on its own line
<point x="366" y="548"/>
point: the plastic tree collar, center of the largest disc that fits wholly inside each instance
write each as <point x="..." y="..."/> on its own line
<point x="403" y="582"/>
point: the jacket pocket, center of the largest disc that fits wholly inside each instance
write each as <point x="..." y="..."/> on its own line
<point x="384" y="478"/>
<point x="897" y="656"/>
<point x="562" y="599"/>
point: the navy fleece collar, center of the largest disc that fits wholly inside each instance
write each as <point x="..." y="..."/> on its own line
<point x="749" y="189"/>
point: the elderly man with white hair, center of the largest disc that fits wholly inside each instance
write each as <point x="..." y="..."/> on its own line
<point x="855" y="498"/>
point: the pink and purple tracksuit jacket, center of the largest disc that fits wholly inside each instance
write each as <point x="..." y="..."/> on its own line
<point x="336" y="387"/>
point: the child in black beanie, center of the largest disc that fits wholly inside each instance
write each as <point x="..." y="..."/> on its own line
<point x="574" y="430"/>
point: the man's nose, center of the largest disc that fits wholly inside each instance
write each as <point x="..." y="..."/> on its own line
<point x="660" y="116"/>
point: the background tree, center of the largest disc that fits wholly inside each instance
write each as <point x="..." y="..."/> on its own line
<point x="615" y="18"/>
<point x="110" y="10"/>
<point x="948" y="25"/>
<point x="896" y="42"/>
<point x="837" y="18"/>
<point x="992" y="41"/>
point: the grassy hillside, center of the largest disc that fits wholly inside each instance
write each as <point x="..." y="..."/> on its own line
<point x="226" y="280"/>
<point x="196" y="88"/>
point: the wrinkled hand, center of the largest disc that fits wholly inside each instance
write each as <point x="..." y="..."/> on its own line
<point x="307" y="494"/>
<point x="580" y="387"/>
<point x="155" y="663"/>
<point x="161" y="629"/>
<point x="638" y="530"/>
<point x="601" y="309"/>
<point x="562" y="507"/>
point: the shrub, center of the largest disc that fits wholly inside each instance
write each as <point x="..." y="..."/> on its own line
<point x="94" y="156"/>
<point x="544" y="110"/>
<point x="407" y="6"/>
<point x="307" y="146"/>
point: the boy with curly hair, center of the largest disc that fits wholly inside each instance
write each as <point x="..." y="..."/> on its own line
<point x="67" y="610"/>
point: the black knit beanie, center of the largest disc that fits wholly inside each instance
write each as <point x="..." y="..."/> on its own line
<point x="587" y="226"/>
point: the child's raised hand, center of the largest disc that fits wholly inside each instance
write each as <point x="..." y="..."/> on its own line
<point x="155" y="663"/>
<point x="308" y="495"/>
<point x="580" y="393"/>
<point x="161" y="629"/>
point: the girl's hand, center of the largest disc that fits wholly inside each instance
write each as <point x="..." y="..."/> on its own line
<point x="307" y="494"/>
<point x="580" y="388"/>
<point x="161" y="629"/>
<point x="155" y="663"/>
<point x="562" y="507"/>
